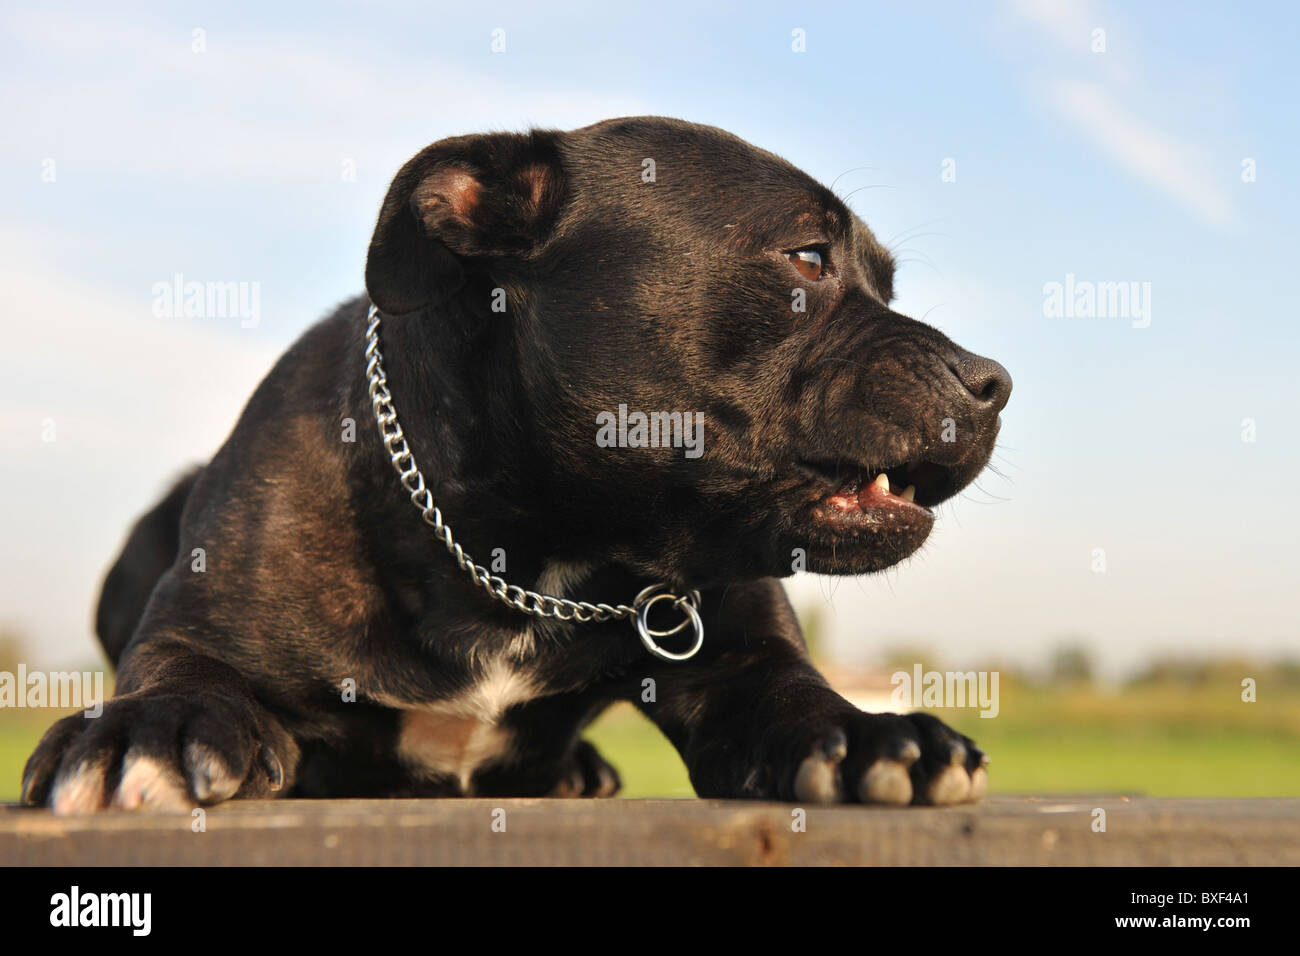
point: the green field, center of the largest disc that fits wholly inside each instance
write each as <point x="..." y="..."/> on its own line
<point x="1161" y="739"/>
<point x="1164" y="740"/>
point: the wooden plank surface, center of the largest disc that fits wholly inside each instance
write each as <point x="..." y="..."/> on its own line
<point x="999" y="831"/>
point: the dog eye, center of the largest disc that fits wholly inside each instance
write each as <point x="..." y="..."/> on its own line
<point x="808" y="262"/>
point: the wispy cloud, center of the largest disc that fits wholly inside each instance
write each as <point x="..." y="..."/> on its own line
<point x="1149" y="152"/>
<point x="1097" y="100"/>
<point x="258" y="105"/>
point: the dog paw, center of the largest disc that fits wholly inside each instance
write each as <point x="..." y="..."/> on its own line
<point x="892" y="759"/>
<point x="158" y="751"/>
<point x="587" y="774"/>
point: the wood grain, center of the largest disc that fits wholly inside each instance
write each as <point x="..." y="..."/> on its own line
<point x="999" y="831"/>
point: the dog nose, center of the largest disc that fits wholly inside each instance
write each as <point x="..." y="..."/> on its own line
<point x="987" y="381"/>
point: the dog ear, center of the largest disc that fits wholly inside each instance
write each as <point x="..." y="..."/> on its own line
<point x="462" y="201"/>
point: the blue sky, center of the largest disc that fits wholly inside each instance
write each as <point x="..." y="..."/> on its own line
<point x="1116" y="166"/>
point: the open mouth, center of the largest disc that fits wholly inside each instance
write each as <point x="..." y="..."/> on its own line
<point x="860" y="490"/>
<point x="864" y="518"/>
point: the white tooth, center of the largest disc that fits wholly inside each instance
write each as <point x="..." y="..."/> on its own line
<point x="882" y="481"/>
<point x="909" y="493"/>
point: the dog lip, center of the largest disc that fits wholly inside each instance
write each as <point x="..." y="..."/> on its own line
<point x="830" y="474"/>
<point x="871" y="510"/>
<point x="847" y="486"/>
<point x="873" y="498"/>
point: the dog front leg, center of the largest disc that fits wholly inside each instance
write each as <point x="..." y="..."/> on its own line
<point x="751" y="717"/>
<point x="184" y="729"/>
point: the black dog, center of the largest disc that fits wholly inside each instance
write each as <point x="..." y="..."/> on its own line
<point x="285" y="623"/>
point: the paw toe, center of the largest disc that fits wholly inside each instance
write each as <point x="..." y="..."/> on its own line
<point x="150" y="782"/>
<point x="886" y="781"/>
<point x="818" y="778"/>
<point x="78" y="790"/>
<point x="607" y="782"/>
<point x="951" y="785"/>
<point x="210" y="776"/>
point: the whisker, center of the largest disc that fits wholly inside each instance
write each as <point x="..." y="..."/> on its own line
<point x="941" y="305"/>
<point x="902" y="262"/>
<point x="922" y="225"/>
<point x="912" y="252"/>
<point x="997" y="499"/>
<point x="845" y="198"/>
<point x="855" y="169"/>
<point x="914" y="236"/>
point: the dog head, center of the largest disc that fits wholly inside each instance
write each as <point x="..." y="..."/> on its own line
<point x="652" y="267"/>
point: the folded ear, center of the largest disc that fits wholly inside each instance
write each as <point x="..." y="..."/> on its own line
<point x="462" y="200"/>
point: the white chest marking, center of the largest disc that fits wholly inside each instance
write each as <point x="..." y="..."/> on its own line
<point x="455" y="737"/>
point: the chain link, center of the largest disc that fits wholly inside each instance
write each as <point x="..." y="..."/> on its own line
<point x="529" y="602"/>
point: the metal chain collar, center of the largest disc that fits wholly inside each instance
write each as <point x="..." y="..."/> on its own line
<point x="529" y="602"/>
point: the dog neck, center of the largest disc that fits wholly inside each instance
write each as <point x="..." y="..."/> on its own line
<point x="539" y="603"/>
